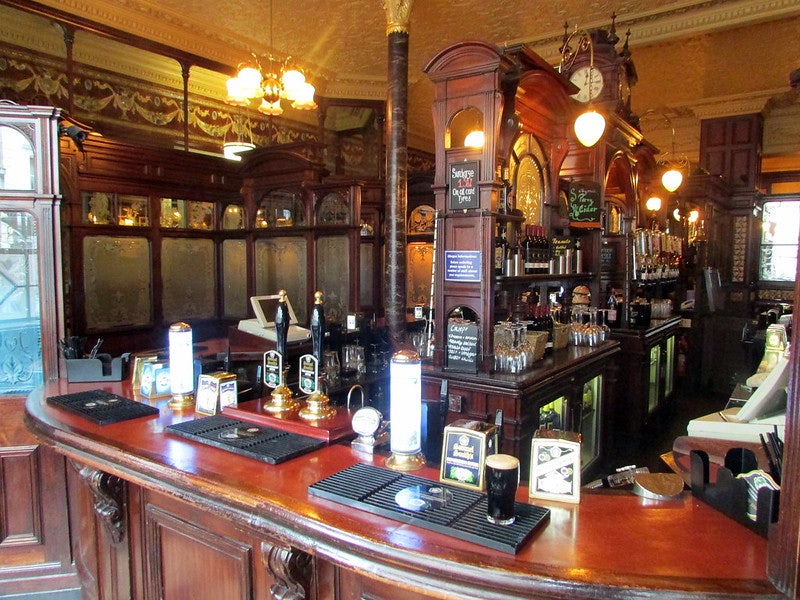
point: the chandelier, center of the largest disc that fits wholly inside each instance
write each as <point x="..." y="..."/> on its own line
<point x="279" y="81"/>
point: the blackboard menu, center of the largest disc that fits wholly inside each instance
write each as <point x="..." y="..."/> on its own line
<point x="584" y="204"/>
<point x="559" y="244"/>
<point x="462" y="347"/>
<point x="463" y="180"/>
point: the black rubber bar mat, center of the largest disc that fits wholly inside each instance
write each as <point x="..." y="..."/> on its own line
<point x="447" y="509"/>
<point x="266" y="444"/>
<point x="102" y="407"/>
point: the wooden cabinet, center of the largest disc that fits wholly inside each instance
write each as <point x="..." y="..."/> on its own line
<point x="571" y="389"/>
<point x="158" y="236"/>
<point x="648" y="379"/>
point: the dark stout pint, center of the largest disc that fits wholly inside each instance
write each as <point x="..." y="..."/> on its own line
<point x="502" y="479"/>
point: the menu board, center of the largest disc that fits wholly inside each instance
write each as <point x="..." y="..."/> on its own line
<point x="462" y="347"/>
<point x="584" y="204"/>
<point x="463" y="185"/>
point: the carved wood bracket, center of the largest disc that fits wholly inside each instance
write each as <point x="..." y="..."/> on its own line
<point x="109" y="496"/>
<point x="291" y="570"/>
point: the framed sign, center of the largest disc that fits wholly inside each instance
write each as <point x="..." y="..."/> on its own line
<point x="463" y="185"/>
<point x="462" y="265"/>
<point x="462" y="347"/>
<point x="584" y="204"/>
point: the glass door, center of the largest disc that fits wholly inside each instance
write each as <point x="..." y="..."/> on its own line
<point x="669" y="366"/>
<point x="654" y="379"/>
<point x="553" y="415"/>
<point x="590" y="420"/>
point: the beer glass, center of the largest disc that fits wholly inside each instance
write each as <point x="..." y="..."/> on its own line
<point x="502" y="478"/>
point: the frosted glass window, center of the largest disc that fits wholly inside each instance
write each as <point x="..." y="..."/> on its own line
<point x="333" y="276"/>
<point x="117" y="282"/>
<point x="188" y="279"/>
<point x="281" y="264"/>
<point x="234" y="275"/>
<point x="20" y="329"/>
<point x="780" y="227"/>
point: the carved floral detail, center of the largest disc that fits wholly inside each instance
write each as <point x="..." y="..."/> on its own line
<point x="109" y="493"/>
<point x="291" y="570"/>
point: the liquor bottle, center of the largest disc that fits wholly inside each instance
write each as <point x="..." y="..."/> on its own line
<point x="519" y="258"/>
<point x="500" y="250"/>
<point x="544" y="251"/>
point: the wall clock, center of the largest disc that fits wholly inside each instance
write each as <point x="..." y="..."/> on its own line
<point x="589" y="81"/>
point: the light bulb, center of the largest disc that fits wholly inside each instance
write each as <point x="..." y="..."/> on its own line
<point x="474" y="139"/>
<point x="653" y="203"/>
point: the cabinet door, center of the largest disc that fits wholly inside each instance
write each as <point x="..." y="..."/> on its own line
<point x="669" y="365"/>
<point x="654" y="379"/>
<point x="554" y="414"/>
<point x="591" y="401"/>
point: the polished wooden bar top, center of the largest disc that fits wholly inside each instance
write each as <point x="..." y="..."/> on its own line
<point x="612" y="544"/>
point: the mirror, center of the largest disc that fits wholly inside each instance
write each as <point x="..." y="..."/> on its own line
<point x="16" y="160"/>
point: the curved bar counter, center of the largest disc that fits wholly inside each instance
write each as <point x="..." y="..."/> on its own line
<point x="158" y="516"/>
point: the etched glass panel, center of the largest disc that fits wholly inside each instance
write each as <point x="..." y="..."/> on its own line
<point x="117" y="282"/>
<point x="188" y="278"/>
<point x="97" y="207"/>
<point x="280" y="208"/>
<point x="21" y="367"/>
<point x="281" y="264"/>
<point x="133" y="211"/>
<point x="201" y="215"/>
<point x="173" y="213"/>
<point x="334" y="209"/>
<point x="233" y="217"/>
<point x="333" y="276"/>
<point x="16" y="160"/>
<point x="234" y="275"/>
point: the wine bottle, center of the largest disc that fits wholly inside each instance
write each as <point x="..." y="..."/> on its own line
<point x="530" y="251"/>
<point x="500" y="250"/>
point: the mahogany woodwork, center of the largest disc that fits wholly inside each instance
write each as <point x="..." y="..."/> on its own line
<point x="199" y="515"/>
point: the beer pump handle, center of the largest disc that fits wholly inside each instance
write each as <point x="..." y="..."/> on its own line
<point x="498" y="421"/>
<point x="281" y="324"/>
<point x="317" y="327"/>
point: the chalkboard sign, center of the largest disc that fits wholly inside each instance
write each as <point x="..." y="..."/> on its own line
<point x="462" y="347"/>
<point x="464" y="185"/>
<point x="559" y="244"/>
<point x="584" y="204"/>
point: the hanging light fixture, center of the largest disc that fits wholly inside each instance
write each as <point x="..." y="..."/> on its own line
<point x="674" y="165"/>
<point x="653" y="204"/>
<point x="270" y="83"/>
<point x="590" y="125"/>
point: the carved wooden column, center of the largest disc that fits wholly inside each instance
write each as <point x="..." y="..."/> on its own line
<point x="397" y="14"/>
<point x="291" y="570"/>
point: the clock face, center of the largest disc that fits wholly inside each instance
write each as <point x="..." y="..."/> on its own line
<point x="589" y="81"/>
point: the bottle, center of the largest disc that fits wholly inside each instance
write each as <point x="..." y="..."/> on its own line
<point x="545" y="244"/>
<point x="530" y="251"/>
<point x="500" y="250"/>
<point x="578" y="257"/>
<point x="519" y="259"/>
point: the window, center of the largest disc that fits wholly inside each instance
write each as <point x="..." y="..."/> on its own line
<point x="780" y="227"/>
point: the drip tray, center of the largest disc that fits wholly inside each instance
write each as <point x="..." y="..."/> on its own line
<point x="102" y="407"/>
<point x="266" y="444"/>
<point x="447" y="509"/>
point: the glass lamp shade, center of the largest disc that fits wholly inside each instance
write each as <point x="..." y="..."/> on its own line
<point x="475" y="139"/>
<point x="653" y="203"/>
<point x="237" y="94"/>
<point x="694" y="215"/>
<point x="672" y="179"/>
<point x="292" y="81"/>
<point x="270" y="108"/>
<point x="304" y="97"/>
<point x="251" y="80"/>
<point x="589" y="127"/>
<point x="231" y="149"/>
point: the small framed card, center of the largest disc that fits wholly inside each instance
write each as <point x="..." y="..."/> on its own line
<point x="555" y="466"/>
<point x="465" y="447"/>
<point x="154" y="381"/>
<point x="215" y="391"/>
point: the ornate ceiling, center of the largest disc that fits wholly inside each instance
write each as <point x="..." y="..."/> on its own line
<point x="342" y="45"/>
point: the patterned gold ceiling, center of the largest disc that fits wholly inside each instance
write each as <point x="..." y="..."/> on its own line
<point x="342" y="45"/>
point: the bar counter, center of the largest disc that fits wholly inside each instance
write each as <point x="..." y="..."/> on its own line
<point x="159" y="516"/>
